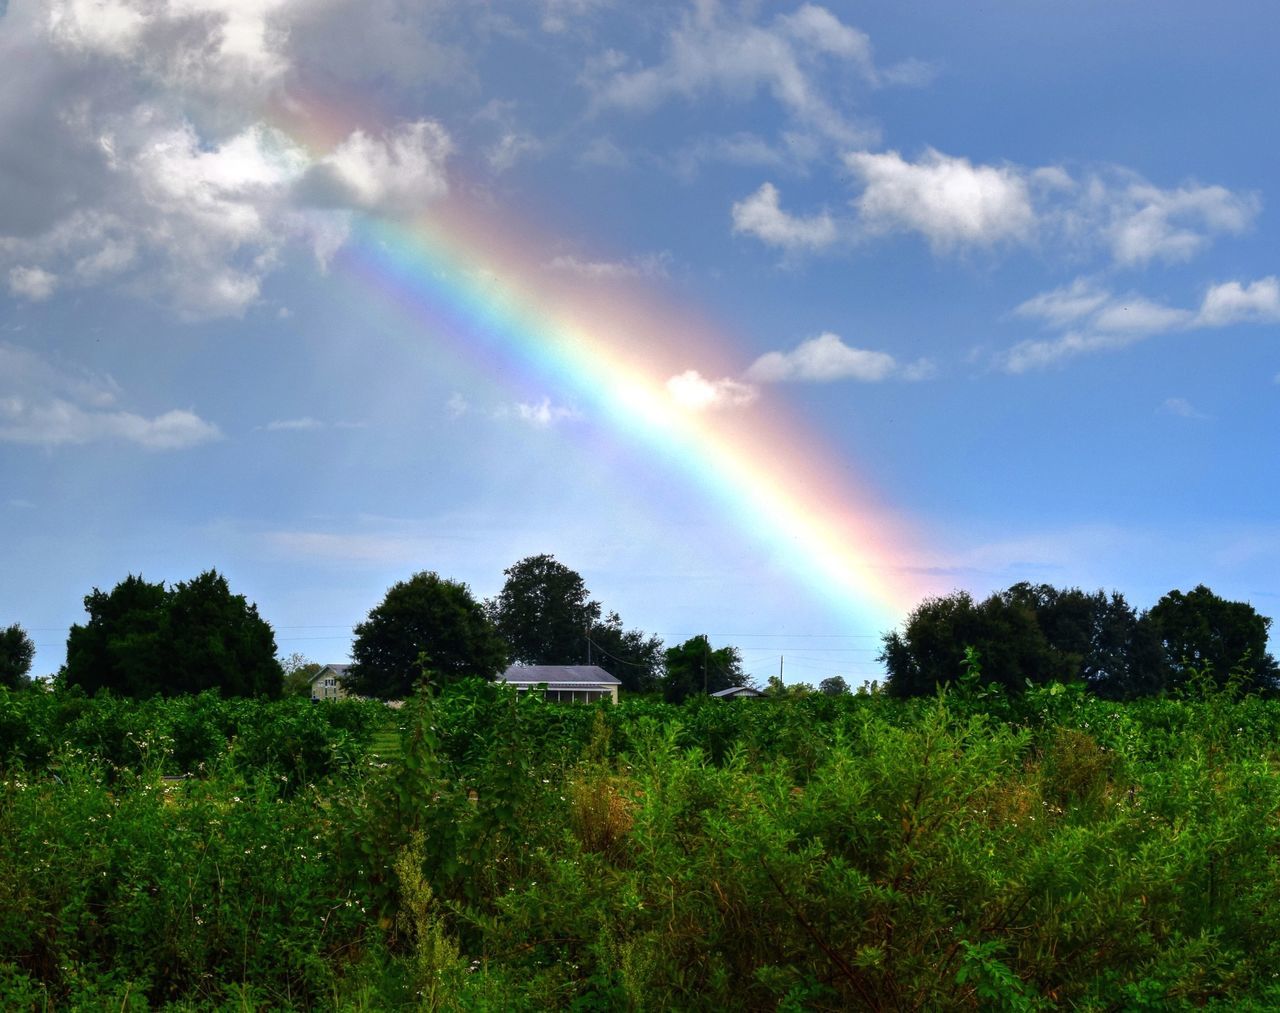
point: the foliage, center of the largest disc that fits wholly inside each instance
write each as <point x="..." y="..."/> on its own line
<point x="974" y="849"/>
<point x="930" y="649"/>
<point x="694" y="667"/>
<point x="633" y="657"/>
<point x="426" y="623"/>
<point x="143" y="639"/>
<point x="545" y="612"/>
<point x="298" y="670"/>
<point x="835" y="685"/>
<point x="17" y="651"/>
<point x="1198" y="629"/>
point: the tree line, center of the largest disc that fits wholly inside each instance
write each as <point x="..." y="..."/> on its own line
<point x="143" y="639"/>
<point x="1036" y="633"/>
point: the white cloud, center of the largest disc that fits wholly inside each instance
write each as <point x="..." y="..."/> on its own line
<point x="1149" y="223"/>
<point x="692" y="391"/>
<point x="539" y="414"/>
<point x="401" y="170"/>
<point x="720" y="53"/>
<point x="652" y="265"/>
<point x="1181" y="407"/>
<point x="457" y="405"/>
<point x="824" y="359"/>
<point x="948" y="200"/>
<point x="1232" y="303"/>
<point x="1065" y="305"/>
<point x="32" y="283"/>
<point x="760" y="215"/>
<point x="1100" y="321"/>
<point x="44" y="405"/>
<point x="558" y="15"/>
<point x="1039" y="353"/>
<point x="303" y="424"/>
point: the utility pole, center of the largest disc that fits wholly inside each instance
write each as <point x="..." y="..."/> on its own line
<point x="780" y="660"/>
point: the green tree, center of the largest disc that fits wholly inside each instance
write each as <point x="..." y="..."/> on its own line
<point x="17" y="652"/>
<point x="545" y="612"/>
<point x="217" y="640"/>
<point x="144" y="640"/>
<point x="1199" y="629"/>
<point x="123" y="646"/>
<point x="426" y="622"/>
<point x="633" y="657"/>
<point x="1099" y="637"/>
<point x="298" y="670"/>
<point x="694" y="667"/>
<point x="930" y="649"/>
<point x="834" y="686"/>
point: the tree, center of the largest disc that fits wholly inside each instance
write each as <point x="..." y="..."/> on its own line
<point x="424" y="623"/>
<point x="17" y="652"/>
<point x="834" y="686"/>
<point x="1199" y="629"/>
<point x="1099" y="636"/>
<point x="693" y="667"/>
<point x="930" y="649"/>
<point x="633" y="657"/>
<point x="298" y="670"/>
<point x="143" y="639"/>
<point x="545" y="612"/>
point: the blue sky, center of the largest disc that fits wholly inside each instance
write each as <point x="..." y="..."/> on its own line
<point x="1012" y="265"/>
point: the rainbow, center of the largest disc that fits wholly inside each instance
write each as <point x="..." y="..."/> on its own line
<point x="470" y="277"/>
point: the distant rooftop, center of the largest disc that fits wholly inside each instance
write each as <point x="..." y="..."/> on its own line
<point x="559" y="675"/>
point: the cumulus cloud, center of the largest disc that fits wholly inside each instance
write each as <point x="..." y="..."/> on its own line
<point x="824" y="359"/>
<point x="761" y="215"/>
<point x="1096" y="320"/>
<point x="401" y="170"/>
<point x="693" y="391"/>
<point x="718" y="52"/>
<point x="539" y="414"/>
<point x="1148" y="223"/>
<point x="955" y="204"/>
<point x="32" y="283"/>
<point x="949" y="201"/>
<point x="44" y="405"/>
<point x="1233" y="303"/>
<point x="144" y="160"/>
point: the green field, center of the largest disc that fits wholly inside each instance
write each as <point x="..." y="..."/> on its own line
<point x="972" y="850"/>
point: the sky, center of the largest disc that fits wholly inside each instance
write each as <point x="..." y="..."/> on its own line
<point x="770" y="320"/>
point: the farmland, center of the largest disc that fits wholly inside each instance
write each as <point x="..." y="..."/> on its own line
<point x="972" y="849"/>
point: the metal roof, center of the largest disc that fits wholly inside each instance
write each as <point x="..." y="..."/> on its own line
<point x="738" y="691"/>
<point x="559" y="675"/>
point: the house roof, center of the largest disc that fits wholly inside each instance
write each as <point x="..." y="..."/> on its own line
<point x="339" y="670"/>
<point x="733" y="691"/>
<point x="559" y="675"/>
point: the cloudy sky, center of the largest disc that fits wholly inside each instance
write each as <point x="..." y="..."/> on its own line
<point x="1006" y="274"/>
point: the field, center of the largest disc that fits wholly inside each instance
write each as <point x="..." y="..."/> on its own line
<point x="476" y="851"/>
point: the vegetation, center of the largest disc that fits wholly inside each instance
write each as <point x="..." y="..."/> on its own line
<point x="145" y="639"/>
<point x="1038" y="634"/>
<point x="17" y="651"/>
<point x="695" y="667"/>
<point x="971" y="850"/>
<point x="545" y="612"/>
<point x="426" y="622"/>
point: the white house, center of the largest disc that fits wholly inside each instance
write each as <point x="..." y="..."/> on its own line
<point x="567" y="683"/>
<point x="326" y="684"/>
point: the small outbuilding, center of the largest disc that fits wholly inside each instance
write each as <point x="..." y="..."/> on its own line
<point x="738" y="693"/>
<point x="565" y="683"/>
<point x="326" y="684"/>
